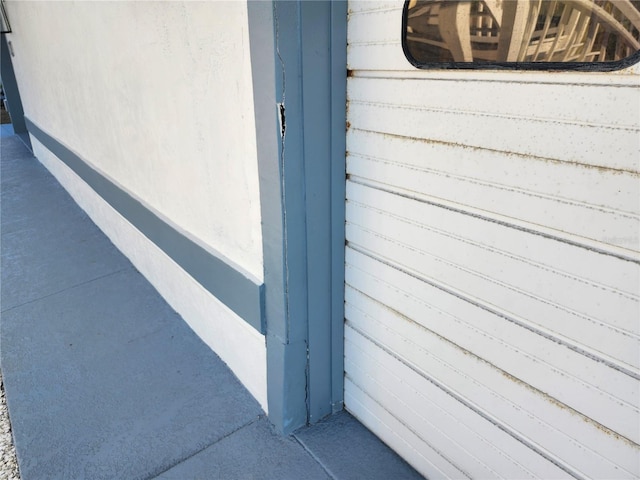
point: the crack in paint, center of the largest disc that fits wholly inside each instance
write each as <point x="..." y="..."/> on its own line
<point x="281" y="117"/>
<point x="283" y="188"/>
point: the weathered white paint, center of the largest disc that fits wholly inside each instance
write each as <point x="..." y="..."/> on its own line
<point x="233" y="339"/>
<point x="157" y="96"/>
<point x="492" y="278"/>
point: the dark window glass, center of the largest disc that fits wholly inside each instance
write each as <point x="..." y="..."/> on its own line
<point x="529" y="34"/>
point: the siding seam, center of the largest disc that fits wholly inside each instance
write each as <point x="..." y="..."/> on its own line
<point x="532" y="231"/>
<point x="510" y="318"/>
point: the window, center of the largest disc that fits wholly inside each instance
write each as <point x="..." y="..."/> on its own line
<point x="525" y="34"/>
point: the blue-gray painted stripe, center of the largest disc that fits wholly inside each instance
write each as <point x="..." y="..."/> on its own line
<point x="238" y="290"/>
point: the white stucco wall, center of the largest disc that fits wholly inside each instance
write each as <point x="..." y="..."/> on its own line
<point x="157" y="96"/>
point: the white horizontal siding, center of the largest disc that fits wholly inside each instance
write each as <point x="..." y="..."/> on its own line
<point x="493" y="285"/>
<point x="450" y="170"/>
<point x="573" y="220"/>
<point x="563" y="304"/>
<point x="580" y="144"/>
<point x="422" y="407"/>
<point x="523" y="414"/>
<point x="600" y="105"/>
<point x="532" y="358"/>
<point x="375" y="27"/>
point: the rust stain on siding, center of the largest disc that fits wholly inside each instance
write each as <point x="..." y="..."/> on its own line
<point x="563" y="406"/>
<point x="600" y="168"/>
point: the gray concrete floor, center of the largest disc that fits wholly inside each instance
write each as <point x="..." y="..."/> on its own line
<point x="104" y="380"/>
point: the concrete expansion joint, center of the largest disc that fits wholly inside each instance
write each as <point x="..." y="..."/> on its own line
<point x="200" y="450"/>
<point x="71" y="287"/>
<point x="315" y="457"/>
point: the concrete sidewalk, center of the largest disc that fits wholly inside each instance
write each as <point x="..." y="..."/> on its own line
<point x="105" y="380"/>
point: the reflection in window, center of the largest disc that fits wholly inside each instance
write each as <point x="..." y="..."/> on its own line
<point x="504" y="31"/>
